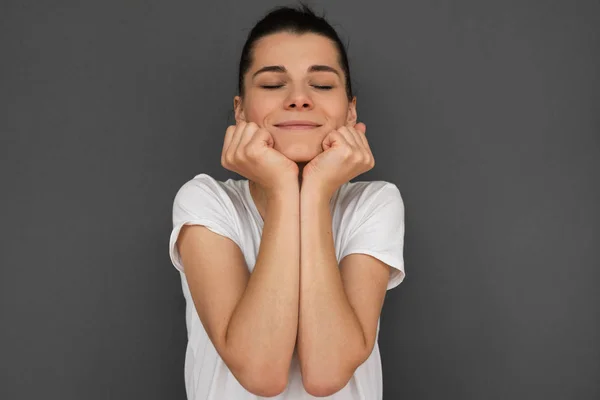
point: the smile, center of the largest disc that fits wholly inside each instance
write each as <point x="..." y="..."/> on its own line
<point x="294" y="125"/>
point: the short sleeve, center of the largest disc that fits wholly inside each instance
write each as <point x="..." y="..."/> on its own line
<point x="380" y="232"/>
<point x="201" y="201"/>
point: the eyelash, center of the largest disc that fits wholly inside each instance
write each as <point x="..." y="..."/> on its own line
<point x="320" y="87"/>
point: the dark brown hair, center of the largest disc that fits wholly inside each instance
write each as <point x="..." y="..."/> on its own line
<point x="298" y="21"/>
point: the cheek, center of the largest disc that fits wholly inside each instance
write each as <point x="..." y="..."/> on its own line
<point x="338" y="112"/>
<point x="258" y="108"/>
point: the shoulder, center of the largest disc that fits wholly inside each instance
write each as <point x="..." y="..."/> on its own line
<point x="201" y="183"/>
<point x="204" y="185"/>
<point x="203" y="194"/>
<point x="204" y="200"/>
<point x="363" y="196"/>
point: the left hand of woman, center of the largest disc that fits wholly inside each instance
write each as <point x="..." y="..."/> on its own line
<point x="346" y="154"/>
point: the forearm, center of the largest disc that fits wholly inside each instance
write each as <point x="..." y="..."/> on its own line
<point x="265" y="322"/>
<point x="329" y="332"/>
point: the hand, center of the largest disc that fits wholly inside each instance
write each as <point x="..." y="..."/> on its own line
<point x="248" y="150"/>
<point x="346" y="155"/>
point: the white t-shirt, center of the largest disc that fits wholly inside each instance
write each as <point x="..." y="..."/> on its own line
<point x="368" y="217"/>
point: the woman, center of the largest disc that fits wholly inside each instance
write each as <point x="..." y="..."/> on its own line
<point x="285" y="273"/>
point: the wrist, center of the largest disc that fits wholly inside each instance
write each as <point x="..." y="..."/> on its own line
<point x="283" y="193"/>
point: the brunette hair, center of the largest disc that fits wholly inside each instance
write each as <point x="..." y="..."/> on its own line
<point x="294" y="20"/>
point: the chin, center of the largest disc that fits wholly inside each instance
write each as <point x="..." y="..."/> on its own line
<point x="300" y="153"/>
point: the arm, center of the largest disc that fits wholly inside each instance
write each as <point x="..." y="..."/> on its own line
<point x="251" y="318"/>
<point x="264" y="324"/>
<point x="339" y="308"/>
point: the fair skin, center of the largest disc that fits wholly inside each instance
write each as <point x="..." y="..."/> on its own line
<point x="299" y="98"/>
<point x="338" y="296"/>
<point x="297" y="298"/>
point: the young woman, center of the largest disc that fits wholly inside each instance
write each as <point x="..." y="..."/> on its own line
<point x="285" y="272"/>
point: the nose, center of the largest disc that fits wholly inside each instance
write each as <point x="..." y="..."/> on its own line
<point x="298" y="99"/>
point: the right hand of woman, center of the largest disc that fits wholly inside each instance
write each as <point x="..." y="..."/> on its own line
<point x="248" y="150"/>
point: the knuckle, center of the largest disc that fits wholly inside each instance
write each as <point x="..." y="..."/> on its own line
<point x="225" y="163"/>
<point x="252" y="152"/>
<point x="370" y="161"/>
<point x="240" y="156"/>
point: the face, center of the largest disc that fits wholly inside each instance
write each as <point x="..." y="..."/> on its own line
<point x="295" y="89"/>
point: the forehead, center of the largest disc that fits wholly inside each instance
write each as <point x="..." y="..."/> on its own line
<point x="294" y="51"/>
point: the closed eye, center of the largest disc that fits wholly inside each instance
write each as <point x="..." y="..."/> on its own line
<point x="320" y="87"/>
<point x="271" y="86"/>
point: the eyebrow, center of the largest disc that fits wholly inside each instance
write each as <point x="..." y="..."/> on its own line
<point x="281" y="69"/>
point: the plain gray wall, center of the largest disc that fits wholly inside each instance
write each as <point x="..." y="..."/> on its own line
<point x="485" y="114"/>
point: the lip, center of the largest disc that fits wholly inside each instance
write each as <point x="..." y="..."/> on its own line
<point x="297" y="124"/>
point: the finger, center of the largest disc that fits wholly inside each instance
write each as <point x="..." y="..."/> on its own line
<point x="350" y="137"/>
<point x="362" y="139"/>
<point x="361" y="127"/>
<point x="361" y="130"/>
<point x="228" y="136"/>
<point x="236" y="138"/>
<point x="261" y="137"/>
<point x="357" y="125"/>
<point x="334" y="137"/>
<point x="247" y="135"/>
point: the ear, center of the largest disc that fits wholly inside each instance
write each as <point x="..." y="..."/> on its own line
<point x="352" y="116"/>
<point x="238" y="109"/>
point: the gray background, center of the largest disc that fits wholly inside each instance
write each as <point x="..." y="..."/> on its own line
<point x="484" y="113"/>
